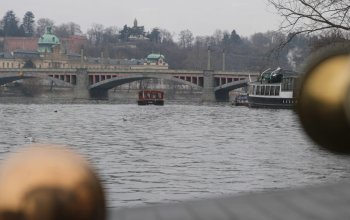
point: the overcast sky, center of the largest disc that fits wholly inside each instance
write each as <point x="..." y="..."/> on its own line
<point x="202" y="17"/>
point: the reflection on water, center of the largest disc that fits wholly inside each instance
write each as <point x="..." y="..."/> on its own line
<point x="150" y="154"/>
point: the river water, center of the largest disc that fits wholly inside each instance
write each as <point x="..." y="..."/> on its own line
<point x="151" y="154"/>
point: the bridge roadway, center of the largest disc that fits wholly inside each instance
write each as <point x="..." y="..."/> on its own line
<point x="319" y="202"/>
<point x="95" y="83"/>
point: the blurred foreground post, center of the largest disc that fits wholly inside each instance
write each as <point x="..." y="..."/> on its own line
<point x="324" y="97"/>
<point x="46" y="182"/>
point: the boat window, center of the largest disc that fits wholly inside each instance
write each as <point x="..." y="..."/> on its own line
<point x="262" y="90"/>
<point x="277" y="90"/>
<point x="272" y="90"/>
<point x="267" y="90"/>
<point x="288" y="84"/>
<point x="258" y="90"/>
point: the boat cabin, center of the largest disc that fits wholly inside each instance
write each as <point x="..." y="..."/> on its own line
<point x="151" y="97"/>
<point x="274" y="83"/>
<point x="287" y="84"/>
<point x="273" y="89"/>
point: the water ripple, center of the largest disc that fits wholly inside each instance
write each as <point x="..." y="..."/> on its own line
<point x="151" y="154"/>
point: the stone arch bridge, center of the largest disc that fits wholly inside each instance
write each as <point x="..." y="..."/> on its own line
<point x="95" y="83"/>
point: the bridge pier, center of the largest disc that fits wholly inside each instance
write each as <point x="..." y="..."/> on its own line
<point x="208" y="94"/>
<point x="81" y="89"/>
<point x="99" y="93"/>
<point x="222" y="96"/>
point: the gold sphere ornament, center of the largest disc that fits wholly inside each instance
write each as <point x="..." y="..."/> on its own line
<point x="324" y="97"/>
<point x="49" y="182"/>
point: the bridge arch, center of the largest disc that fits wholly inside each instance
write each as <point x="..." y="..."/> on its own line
<point x="8" y="79"/>
<point x="101" y="88"/>
<point x="222" y="92"/>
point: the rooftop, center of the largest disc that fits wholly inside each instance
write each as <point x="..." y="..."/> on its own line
<point x="155" y="56"/>
<point x="49" y="38"/>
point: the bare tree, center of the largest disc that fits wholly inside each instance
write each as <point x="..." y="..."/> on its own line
<point x="186" y="38"/>
<point x="110" y="35"/>
<point x="62" y="30"/>
<point x="42" y="23"/>
<point x="313" y="16"/>
<point x="166" y="36"/>
<point x="74" y="28"/>
<point x="67" y="29"/>
<point x="95" y="34"/>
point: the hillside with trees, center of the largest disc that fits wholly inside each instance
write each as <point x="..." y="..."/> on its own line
<point x="186" y="51"/>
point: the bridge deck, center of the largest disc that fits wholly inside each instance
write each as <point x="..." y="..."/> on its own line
<point x="122" y="70"/>
<point x="321" y="202"/>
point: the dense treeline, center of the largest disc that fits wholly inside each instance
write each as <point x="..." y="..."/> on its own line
<point x="184" y="50"/>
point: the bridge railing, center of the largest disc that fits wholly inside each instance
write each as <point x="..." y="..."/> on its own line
<point x="126" y="70"/>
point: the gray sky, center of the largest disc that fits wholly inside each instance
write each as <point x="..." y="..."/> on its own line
<point x="202" y="17"/>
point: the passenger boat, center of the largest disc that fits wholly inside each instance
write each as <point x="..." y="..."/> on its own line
<point x="241" y="100"/>
<point x="273" y="89"/>
<point x="151" y="97"/>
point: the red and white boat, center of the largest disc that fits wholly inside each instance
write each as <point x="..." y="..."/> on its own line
<point x="151" y="97"/>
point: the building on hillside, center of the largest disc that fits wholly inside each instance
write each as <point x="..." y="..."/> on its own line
<point x="137" y="33"/>
<point x="50" y="53"/>
<point x="49" y="42"/>
<point x="71" y="44"/>
<point x="156" y="59"/>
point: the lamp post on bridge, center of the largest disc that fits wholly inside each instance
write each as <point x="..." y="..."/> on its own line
<point x="209" y="58"/>
<point x="82" y="58"/>
<point x="208" y="93"/>
<point x="223" y="60"/>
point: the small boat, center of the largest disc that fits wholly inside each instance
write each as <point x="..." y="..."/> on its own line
<point x="273" y="89"/>
<point x="241" y="100"/>
<point x="151" y="97"/>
